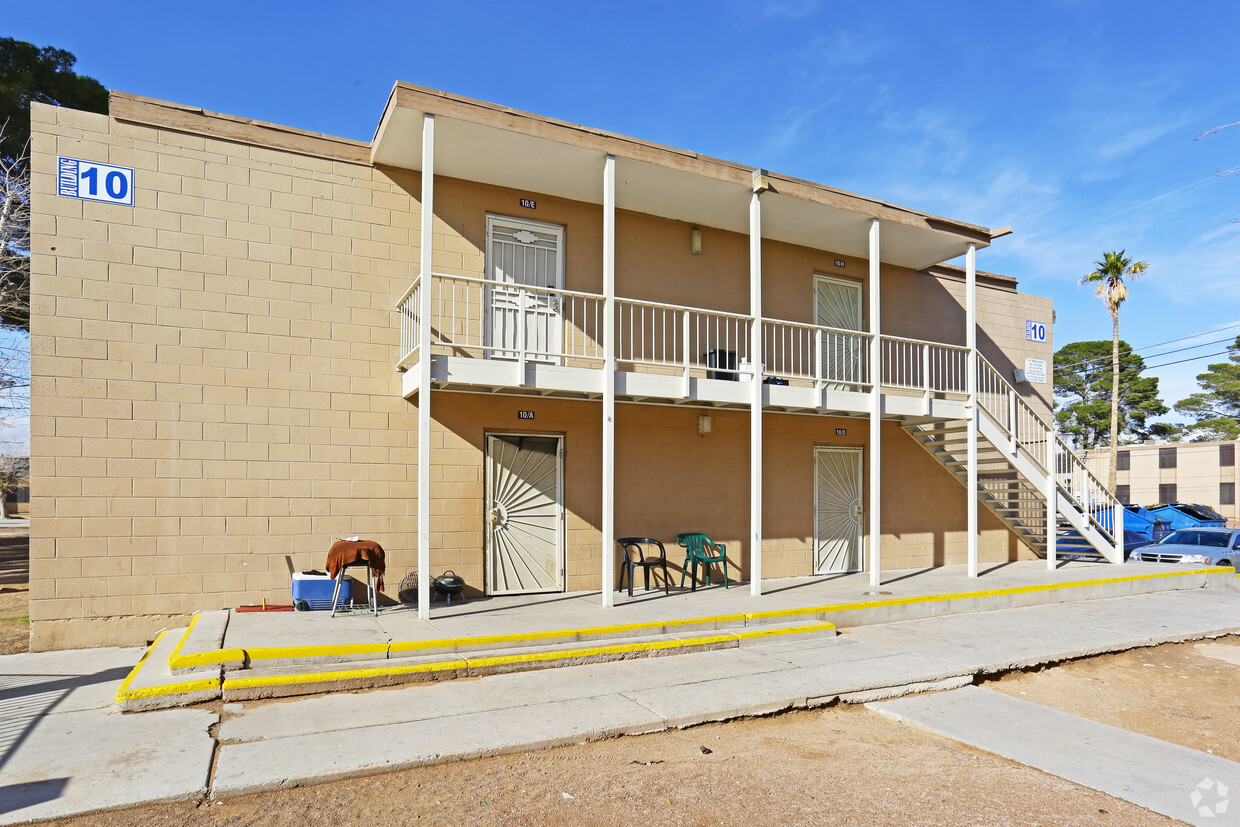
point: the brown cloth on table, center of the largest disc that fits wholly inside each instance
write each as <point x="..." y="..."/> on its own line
<point x="344" y="552"/>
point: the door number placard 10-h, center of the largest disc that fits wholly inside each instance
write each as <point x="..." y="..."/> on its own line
<point x="93" y="181"/>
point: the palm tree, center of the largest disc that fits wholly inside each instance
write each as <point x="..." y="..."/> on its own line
<point x="1109" y="274"/>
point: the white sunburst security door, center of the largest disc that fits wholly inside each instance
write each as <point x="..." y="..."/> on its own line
<point x="837" y="510"/>
<point x="529" y="256"/>
<point x="524" y="514"/>
<point x="837" y="304"/>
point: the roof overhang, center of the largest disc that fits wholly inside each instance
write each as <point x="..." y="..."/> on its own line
<point x="482" y="142"/>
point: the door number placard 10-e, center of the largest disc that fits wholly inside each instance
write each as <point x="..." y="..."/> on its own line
<point x="94" y="181"/>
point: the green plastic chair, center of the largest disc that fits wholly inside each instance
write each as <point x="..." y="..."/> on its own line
<point x="700" y="549"/>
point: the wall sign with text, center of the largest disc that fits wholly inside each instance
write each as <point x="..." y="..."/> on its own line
<point x="1035" y="371"/>
<point x="1034" y="331"/>
<point x="94" y="182"/>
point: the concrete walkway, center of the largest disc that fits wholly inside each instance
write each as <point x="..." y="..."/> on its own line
<point x="64" y="750"/>
<point x="1175" y="781"/>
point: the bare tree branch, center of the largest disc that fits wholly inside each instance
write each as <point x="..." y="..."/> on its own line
<point x="1216" y="129"/>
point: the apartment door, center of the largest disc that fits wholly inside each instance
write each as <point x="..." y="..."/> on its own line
<point x="526" y="258"/>
<point x="524" y="513"/>
<point x="837" y="510"/>
<point x="837" y="304"/>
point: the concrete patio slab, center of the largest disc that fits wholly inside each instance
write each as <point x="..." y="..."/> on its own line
<point x="263" y="765"/>
<point x="68" y="763"/>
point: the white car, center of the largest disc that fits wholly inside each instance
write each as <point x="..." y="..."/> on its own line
<point x="1197" y="546"/>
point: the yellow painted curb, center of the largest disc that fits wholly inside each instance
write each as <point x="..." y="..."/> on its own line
<point x="508" y="660"/>
<point x="212" y="657"/>
<point x="124" y="693"/>
<point x="351" y="674"/>
<point x="482" y="640"/>
<point x="400" y="647"/>
<point x="936" y="598"/>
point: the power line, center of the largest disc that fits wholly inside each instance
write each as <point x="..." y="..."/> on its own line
<point x="1103" y="359"/>
<point x="1072" y="365"/>
<point x="1182" y="361"/>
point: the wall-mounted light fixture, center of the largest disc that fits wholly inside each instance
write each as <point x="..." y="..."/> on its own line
<point x="695" y="241"/>
<point x="703" y="425"/>
<point x="1018" y="376"/>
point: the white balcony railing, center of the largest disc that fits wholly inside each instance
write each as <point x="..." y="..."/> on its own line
<point x="478" y="318"/>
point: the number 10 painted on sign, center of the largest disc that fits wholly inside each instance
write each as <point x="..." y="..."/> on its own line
<point x="94" y="182"/>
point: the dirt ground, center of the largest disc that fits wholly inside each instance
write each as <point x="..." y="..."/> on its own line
<point x="1183" y="693"/>
<point x="839" y="765"/>
<point x="14" y="595"/>
<point x="843" y="765"/>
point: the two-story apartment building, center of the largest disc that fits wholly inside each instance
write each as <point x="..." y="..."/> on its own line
<point x="536" y="336"/>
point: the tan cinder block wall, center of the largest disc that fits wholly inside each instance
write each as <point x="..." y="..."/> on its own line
<point x="212" y="376"/>
<point x="670" y="480"/>
<point x="931" y="306"/>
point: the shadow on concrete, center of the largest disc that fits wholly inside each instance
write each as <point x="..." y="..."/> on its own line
<point x="26" y="699"/>
<point x="15" y="797"/>
<point x="825" y="578"/>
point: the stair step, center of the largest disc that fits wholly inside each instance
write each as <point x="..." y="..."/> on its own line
<point x="152" y="685"/>
<point x="198" y="647"/>
<point x="1018" y="502"/>
<point x="304" y="679"/>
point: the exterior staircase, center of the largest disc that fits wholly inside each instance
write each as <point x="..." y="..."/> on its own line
<point x="1016" y="449"/>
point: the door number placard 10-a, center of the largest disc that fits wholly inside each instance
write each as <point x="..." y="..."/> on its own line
<point x="93" y="181"/>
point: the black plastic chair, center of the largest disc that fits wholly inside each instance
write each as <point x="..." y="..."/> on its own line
<point x="635" y="556"/>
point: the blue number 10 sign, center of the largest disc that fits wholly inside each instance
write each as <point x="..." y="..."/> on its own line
<point x="94" y="182"/>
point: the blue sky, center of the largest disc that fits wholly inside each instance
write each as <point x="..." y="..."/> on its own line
<point x="1075" y="122"/>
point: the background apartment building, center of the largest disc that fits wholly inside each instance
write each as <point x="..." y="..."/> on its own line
<point x="1188" y="472"/>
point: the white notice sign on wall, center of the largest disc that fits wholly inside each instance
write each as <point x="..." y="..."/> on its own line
<point x="1035" y="371"/>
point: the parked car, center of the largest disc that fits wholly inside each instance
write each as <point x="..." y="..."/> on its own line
<point x="1198" y="546"/>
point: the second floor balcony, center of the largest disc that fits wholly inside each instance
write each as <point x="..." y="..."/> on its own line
<point x="502" y="337"/>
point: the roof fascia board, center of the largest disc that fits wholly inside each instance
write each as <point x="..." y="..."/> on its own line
<point x="135" y="109"/>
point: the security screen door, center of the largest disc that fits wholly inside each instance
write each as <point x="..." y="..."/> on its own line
<point x="524" y="514"/>
<point x="837" y="303"/>
<point x="837" y="510"/>
<point x="529" y="256"/>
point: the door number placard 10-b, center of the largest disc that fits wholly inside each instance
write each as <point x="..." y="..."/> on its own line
<point x="93" y="181"/>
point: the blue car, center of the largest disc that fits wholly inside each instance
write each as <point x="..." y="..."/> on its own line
<point x="1069" y="544"/>
<point x="1194" y="546"/>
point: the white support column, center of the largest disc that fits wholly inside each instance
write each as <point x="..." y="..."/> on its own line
<point x="755" y="399"/>
<point x="876" y="409"/>
<point x="424" y="368"/>
<point x="970" y="317"/>
<point x="609" y="381"/>
<point x="1119" y="530"/>
<point x="1052" y="498"/>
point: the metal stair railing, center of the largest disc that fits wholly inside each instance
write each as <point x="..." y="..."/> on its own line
<point x="1029" y="435"/>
